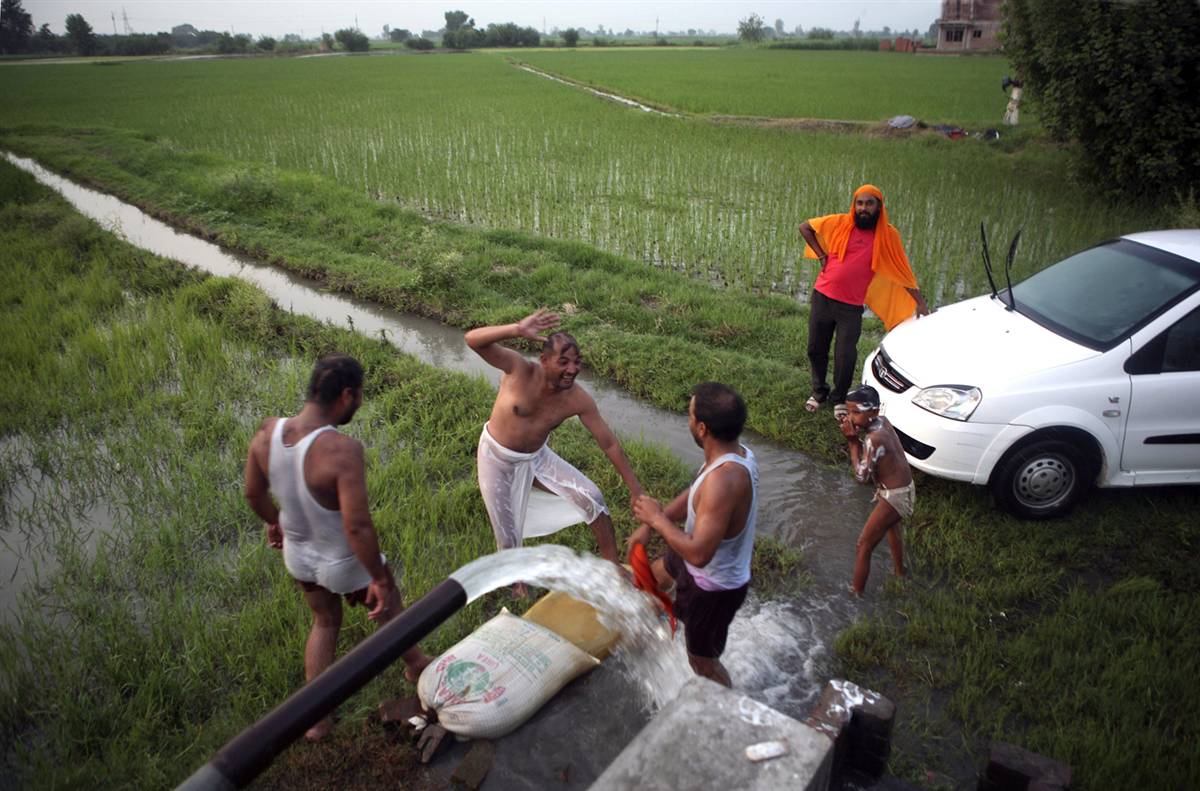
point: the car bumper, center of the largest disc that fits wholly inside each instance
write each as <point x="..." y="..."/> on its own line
<point x="955" y="449"/>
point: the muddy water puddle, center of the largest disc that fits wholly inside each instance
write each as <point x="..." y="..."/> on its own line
<point x="39" y="517"/>
<point x="776" y="649"/>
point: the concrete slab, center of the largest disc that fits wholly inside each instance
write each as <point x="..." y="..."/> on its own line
<point x="699" y="741"/>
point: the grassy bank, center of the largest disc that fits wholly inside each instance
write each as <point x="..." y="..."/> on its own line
<point x="134" y="385"/>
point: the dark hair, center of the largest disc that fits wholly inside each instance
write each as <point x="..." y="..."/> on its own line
<point x="333" y="374"/>
<point x="559" y="342"/>
<point x="866" y="395"/>
<point x="719" y="407"/>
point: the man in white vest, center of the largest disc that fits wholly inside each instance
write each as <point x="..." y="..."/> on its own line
<point x="708" y="561"/>
<point x="307" y="481"/>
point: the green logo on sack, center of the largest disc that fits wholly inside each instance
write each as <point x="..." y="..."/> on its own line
<point x="466" y="679"/>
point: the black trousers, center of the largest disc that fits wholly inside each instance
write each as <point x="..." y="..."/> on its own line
<point x="840" y="322"/>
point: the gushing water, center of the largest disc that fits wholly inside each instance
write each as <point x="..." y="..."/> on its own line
<point x="645" y="646"/>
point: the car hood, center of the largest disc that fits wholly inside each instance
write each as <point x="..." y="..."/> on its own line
<point x="977" y="342"/>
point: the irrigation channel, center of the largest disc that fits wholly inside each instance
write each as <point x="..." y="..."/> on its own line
<point x="778" y="649"/>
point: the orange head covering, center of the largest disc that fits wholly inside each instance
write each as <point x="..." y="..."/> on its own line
<point x="887" y="296"/>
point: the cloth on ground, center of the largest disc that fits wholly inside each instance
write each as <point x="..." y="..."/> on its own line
<point x="887" y="296"/>
<point x="516" y="509"/>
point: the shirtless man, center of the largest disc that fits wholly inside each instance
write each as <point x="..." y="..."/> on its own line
<point x="708" y="561"/>
<point x="877" y="458"/>
<point x="322" y="523"/>
<point x="528" y="489"/>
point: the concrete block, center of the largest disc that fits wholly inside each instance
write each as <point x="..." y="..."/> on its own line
<point x="860" y="722"/>
<point x="699" y="741"/>
<point x="1013" y="768"/>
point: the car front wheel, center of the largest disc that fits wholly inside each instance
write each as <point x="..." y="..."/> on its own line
<point x="1042" y="480"/>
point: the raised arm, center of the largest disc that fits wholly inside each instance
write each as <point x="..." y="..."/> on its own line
<point x="608" y="442"/>
<point x="861" y="462"/>
<point x="485" y="341"/>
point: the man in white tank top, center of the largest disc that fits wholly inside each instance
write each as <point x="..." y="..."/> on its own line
<point x="709" y="560"/>
<point x="307" y="481"/>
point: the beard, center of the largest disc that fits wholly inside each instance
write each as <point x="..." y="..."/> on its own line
<point x="865" y="222"/>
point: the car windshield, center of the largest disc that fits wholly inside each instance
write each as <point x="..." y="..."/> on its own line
<point x="1100" y="296"/>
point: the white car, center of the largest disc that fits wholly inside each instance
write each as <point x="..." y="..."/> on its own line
<point x="1086" y="373"/>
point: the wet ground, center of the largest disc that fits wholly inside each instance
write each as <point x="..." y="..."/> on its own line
<point x="778" y="650"/>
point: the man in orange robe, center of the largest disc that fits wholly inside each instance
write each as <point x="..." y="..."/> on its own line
<point x="862" y="262"/>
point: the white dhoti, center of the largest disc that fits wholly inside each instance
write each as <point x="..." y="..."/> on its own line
<point x="516" y="508"/>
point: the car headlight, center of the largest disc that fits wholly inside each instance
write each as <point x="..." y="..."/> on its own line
<point x="956" y="402"/>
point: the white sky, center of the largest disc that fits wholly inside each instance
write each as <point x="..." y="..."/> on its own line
<point x="277" y="17"/>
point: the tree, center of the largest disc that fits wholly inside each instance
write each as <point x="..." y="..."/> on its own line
<point x="1120" y="80"/>
<point x="779" y="28"/>
<point x="80" y="34"/>
<point x="399" y="36"/>
<point x="857" y="30"/>
<point x="16" y="27"/>
<point x="265" y="43"/>
<point x="352" y="39"/>
<point x="752" y="29"/>
<point x="570" y="37"/>
<point x="456" y="20"/>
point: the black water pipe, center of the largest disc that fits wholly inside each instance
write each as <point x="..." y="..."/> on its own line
<point x="250" y="752"/>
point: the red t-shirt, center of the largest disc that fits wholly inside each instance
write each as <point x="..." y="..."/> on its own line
<point x="847" y="280"/>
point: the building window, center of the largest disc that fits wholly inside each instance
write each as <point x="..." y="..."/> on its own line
<point x="954" y="35"/>
<point x="977" y="34"/>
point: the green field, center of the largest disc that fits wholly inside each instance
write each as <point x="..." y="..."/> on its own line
<point x="1074" y="638"/>
<point x="851" y="86"/>
<point x="474" y="139"/>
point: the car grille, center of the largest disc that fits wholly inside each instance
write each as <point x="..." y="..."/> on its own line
<point x="887" y="374"/>
<point x="913" y="447"/>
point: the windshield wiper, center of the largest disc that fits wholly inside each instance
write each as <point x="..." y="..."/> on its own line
<point x="987" y="259"/>
<point x="1012" y="253"/>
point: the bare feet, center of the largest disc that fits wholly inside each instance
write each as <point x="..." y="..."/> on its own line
<point x="319" y="731"/>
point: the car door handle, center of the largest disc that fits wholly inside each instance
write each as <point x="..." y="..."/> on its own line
<point x="1111" y="413"/>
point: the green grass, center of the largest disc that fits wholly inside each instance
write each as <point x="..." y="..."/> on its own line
<point x="1074" y="638"/>
<point x="855" y="86"/>
<point x="137" y="383"/>
<point x="474" y="139"/>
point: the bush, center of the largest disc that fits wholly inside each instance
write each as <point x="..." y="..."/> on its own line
<point x="352" y="39"/>
<point x="228" y="45"/>
<point x="599" y="42"/>
<point x="463" y="38"/>
<point x="510" y="34"/>
<point x="266" y="44"/>
<point x="1121" y="79"/>
<point x="570" y="37"/>
<point x="420" y="42"/>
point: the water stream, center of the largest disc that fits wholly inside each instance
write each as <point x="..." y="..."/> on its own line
<point x="776" y="647"/>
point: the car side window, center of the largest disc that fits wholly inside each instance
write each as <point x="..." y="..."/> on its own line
<point x="1177" y="349"/>
<point x="1182" y="352"/>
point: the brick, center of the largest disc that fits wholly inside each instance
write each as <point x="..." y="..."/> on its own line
<point x="474" y="766"/>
